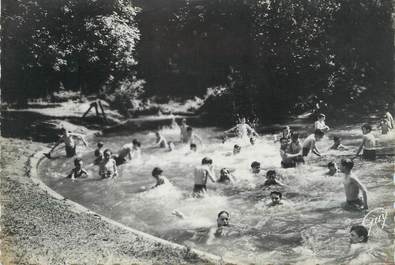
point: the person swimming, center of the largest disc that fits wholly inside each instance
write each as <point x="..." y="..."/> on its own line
<point x="160" y="141"/>
<point x="256" y="168"/>
<point x="287" y="159"/>
<point x="352" y="187"/>
<point x="337" y="145"/>
<point x="160" y="179"/>
<point x="320" y="123"/>
<point x="201" y="173"/>
<point x="108" y="166"/>
<point x="193" y="147"/>
<point x="242" y="129"/>
<point x="67" y="138"/>
<point x="225" y="176"/>
<point x="368" y="144"/>
<point x="98" y="153"/>
<point x="271" y="179"/>
<point x="276" y="198"/>
<point x="78" y="171"/>
<point x="332" y="167"/>
<point x="358" y="234"/>
<point x="309" y="144"/>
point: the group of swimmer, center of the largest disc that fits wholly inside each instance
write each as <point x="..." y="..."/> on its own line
<point x="292" y="151"/>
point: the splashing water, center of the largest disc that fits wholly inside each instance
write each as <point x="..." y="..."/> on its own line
<point x="309" y="228"/>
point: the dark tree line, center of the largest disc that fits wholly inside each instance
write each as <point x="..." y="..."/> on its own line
<point x="269" y="55"/>
<point x="79" y="44"/>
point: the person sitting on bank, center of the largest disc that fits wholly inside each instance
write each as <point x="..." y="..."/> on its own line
<point x="70" y="145"/>
<point x="201" y="173"/>
<point x="226" y="177"/>
<point x="287" y="159"/>
<point x="108" y="166"/>
<point x="320" y="123"/>
<point x="352" y="186"/>
<point x="78" y="171"/>
<point x="368" y="144"/>
<point x="309" y="143"/>
<point x="337" y="145"/>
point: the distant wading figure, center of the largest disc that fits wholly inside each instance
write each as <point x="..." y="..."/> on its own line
<point x="70" y="144"/>
<point x="201" y="173"/>
<point x="108" y="167"/>
<point x="242" y="129"/>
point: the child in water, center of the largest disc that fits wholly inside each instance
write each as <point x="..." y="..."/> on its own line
<point x="368" y="143"/>
<point x="108" y="167"/>
<point x="78" y="171"/>
<point x="337" y="145"/>
<point x="332" y="167"/>
<point x="352" y="186"/>
<point x="226" y="177"/>
<point x="99" y="153"/>
<point x="160" y="179"/>
<point x="276" y="197"/>
<point x="358" y="234"/>
<point x="271" y="179"/>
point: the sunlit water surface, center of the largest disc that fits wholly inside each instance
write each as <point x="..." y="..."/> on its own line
<point x="309" y="228"/>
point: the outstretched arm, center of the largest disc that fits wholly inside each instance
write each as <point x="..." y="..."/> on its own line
<point x="231" y="129"/>
<point x="198" y="138"/>
<point x="252" y="131"/>
<point x="81" y="137"/>
<point x="53" y="148"/>
<point x="360" y="147"/>
<point x="364" y="192"/>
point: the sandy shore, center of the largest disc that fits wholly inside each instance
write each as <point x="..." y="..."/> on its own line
<point x="37" y="228"/>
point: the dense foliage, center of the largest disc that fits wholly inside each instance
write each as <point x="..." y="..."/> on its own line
<point x="78" y="44"/>
<point x="272" y="55"/>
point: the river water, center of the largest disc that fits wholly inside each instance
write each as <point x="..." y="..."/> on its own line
<point x="309" y="228"/>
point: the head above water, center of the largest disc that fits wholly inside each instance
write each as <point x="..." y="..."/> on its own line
<point x="157" y="171"/>
<point x="284" y="142"/>
<point x="107" y="154"/>
<point x="184" y="121"/>
<point x="256" y="167"/>
<point x="252" y="140"/>
<point x="346" y="165"/>
<point x="321" y="116"/>
<point x="276" y="197"/>
<point x="207" y="161"/>
<point x="243" y="120"/>
<point x="224" y="171"/>
<point x="366" y="128"/>
<point x="189" y="129"/>
<point x="171" y="145"/>
<point x="318" y="134"/>
<point x="193" y="147"/>
<point x="78" y="162"/>
<point x="332" y="165"/>
<point x="271" y="174"/>
<point x="236" y="149"/>
<point x="223" y="218"/>
<point x="358" y="234"/>
<point x="100" y="144"/>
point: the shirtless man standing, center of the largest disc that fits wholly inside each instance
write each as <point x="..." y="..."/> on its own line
<point x="242" y="129"/>
<point x="70" y="144"/>
<point x="201" y="174"/>
<point x="352" y="186"/>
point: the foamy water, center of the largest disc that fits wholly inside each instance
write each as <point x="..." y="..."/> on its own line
<point x="309" y="228"/>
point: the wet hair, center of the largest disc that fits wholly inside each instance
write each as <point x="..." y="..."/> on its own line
<point x="207" y="161"/>
<point x="189" y="128"/>
<point x="271" y="173"/>
<point x="236" y="146"/>
<point x="100" y="144"/>
<point x="107" y="151"/>
<point x="295" y="136"/>
<point x="222" y="212"/>
<point x="321" y="115"/>
<point x="255" y="164"/>
<point x="318" y="132"/>
<point x="135" y="141"/>
<point x="331" y="164"/>
<point x="367" y="126"/>
<point x="224" y="170"/>
<point x="192" y="146"/>
<point x="336" y="138"/>
<point x="348" y="163"/>
<point x="276" y="193"/>
<point x="286" y="128"/>
<point x="157" y="171"/>
<point x="361" y="231"/>
<point x="77" y="161"/>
